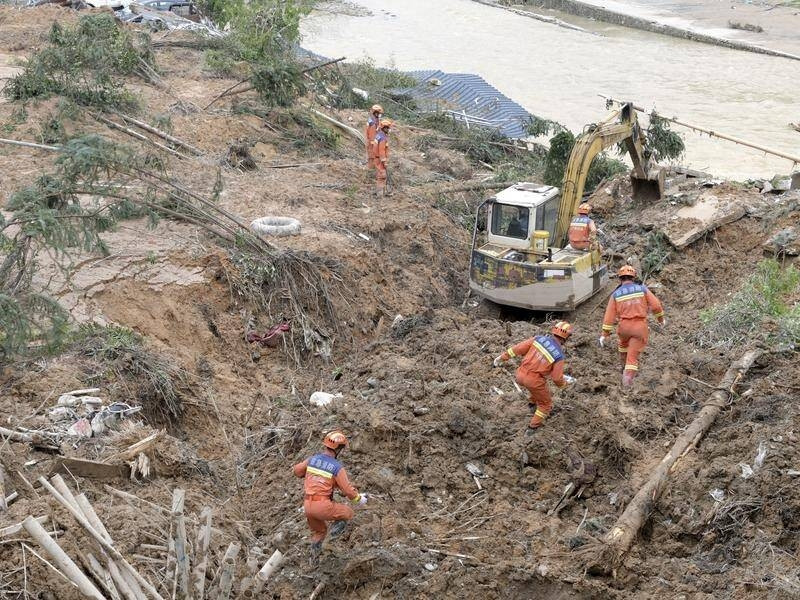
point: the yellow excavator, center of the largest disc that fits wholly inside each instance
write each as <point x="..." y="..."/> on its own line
<point x="524" y="259"/>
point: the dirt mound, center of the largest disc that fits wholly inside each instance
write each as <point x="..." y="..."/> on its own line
<point x="420" y="399"/>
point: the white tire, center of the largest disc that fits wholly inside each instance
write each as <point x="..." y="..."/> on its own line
<point x="276" y="226"/>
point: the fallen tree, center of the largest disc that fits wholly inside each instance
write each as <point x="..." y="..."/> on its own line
<point x="619" y="540"/>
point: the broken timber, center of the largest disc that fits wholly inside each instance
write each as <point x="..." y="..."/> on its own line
<point x="622" y="535"/>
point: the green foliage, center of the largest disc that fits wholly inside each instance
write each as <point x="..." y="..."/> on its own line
<point x="657" y="253"/>
<point x="662" y="141"/>
<point x="221" y="63"/>
<point x="260" y="30"/>
<point x="760" y="310"/>
<point x="278" y="83"/>
<point x="538" y="127"/>
<point x="337" y="86"/>
<point x="561" y="145"/>
<point x="154" y="379"/>
<point x="85" y="63"/>
<point x="307" y="131"/>
<point x="29" y="322"/>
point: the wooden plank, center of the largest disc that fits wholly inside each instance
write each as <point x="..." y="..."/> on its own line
<point x="90" y="469"/>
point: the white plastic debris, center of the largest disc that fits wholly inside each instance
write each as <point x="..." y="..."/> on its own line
<point x="612" y="498"/>
<point x="397" y="320"/>
<point x="430" y="567"/>
<point x="717" y="494"/>
<point x="497" y="391"/>
<point x="323" y="398"/>
<point x="762" y="454"/>
<point x="81" y="427"/>
<point x="793" y="473"/>
<point x="747" y="470"/>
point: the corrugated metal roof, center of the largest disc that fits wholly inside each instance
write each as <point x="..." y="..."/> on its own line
<point x="469" y="95"/>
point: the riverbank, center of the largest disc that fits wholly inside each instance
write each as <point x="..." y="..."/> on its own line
<point x="766" y="28"/>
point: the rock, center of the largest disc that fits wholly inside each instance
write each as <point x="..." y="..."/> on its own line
<point x="457" y="424"/>
<point x="420" y="410"/>
<point x="323" y="398"/>
<point x="795" y="180"/>
<point x="373" y="382"/>
<point x="430" y="567"/>
<point x="781" y="183"/>
<point x="786" y="242"/>
<point x="766" y="188"/>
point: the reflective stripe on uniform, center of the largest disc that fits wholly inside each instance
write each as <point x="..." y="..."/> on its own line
<point x="621" y="349"/>
<point x="540" y="414"/>
<point x="659" y="315"/>
<point x="319" y="472"/>
<point x="608" y="327"/>
<point x="544" y="352"/>
<point x="631" y="367"/>
<point x="510" y="352"/>
<point x="629" y="296"/>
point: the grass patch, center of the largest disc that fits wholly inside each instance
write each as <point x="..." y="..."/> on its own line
<point x="762" y="310"/>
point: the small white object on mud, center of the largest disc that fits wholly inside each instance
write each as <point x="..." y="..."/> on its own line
<point x="276" y="226"/>
<point x="717" y="494"/>
<point x="323" y="398"/>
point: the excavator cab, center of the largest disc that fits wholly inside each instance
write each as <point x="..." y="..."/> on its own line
<point x="525" y="260"/>
<point x="513" y="260"/>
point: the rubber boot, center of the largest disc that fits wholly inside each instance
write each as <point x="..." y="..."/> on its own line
<point x="313" y="557"/>
<point x="337" y="528"/>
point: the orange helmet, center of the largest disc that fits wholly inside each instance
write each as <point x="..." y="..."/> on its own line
<point x="584" y="209"/>
<point x="386" y="123"/>
<point x="626" y="271"/>
<point x="562" y="329"/>
<point x="376" y="108"/>
<point x="335" y="440"/>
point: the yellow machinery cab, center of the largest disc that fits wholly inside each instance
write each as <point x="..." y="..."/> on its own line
<point x="513" y="262"/>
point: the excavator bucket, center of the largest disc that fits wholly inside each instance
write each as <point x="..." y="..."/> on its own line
<point x="648" y="189"/>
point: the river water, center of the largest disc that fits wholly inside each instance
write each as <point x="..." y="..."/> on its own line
<point x="558" y="73"/>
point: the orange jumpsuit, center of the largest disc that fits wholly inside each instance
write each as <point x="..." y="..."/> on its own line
<point x="582" y="232"/>
<point x="381" y="157"/>
<point x="323" y="474"/>
<point x="628" y="306"/>
<point x="542" y="357"/>
<point x="372" y="129"/>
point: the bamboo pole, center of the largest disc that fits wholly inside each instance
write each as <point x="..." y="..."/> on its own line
<point x="201" y="554"/>
<point x="162" y="134"/>
<point x="135" y="499"/>
<point x="15" y="529"/>
<point x="137" y="135"/>
<point x="101" y="575"/>
<point x="17" y="436"/>
<point x="622" y="535"/>
<point x="30" y="145"/>
<point x="226" y="571"/>
<point x="722" y="136"/>
<point x="61" y="559"/>
<point x="121" y="583"/>
<point x="112" y="551"/>
<point x="181" y="558"/>
<point x="267" y="570"/>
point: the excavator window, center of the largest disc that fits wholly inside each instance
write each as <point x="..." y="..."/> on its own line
<point x="547" y="215"/>
<point x="510" y="221"/>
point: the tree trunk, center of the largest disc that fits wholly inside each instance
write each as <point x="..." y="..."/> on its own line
<point x="621" y="537"/>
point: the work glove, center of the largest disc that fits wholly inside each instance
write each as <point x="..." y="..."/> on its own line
<point x="498" y="361"/>
<point x="569" y="379"/>
<point x="602" y="341"/>
<point x="362" y="500"/>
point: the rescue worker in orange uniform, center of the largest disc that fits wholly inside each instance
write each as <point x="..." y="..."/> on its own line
<point x="627" y="308"/>
<point x="542" y="356"/>
<point x="373" y="125"/>
<point x="582" y="230"/>
<point x="381" y="152"/>
<point x="323" y="474"/>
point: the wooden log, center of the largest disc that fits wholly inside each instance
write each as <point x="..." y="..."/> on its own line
<point x="351" y="131"/>
<point x="472" y="187"/>
<point x="226" y="571"/>
<point x="181" y="589"/>
<point x="162" y="134"/>
<point x="112" y="551"/>
<point x="622" y="535"/>
<point x="201" y="554"/>
<point x="61" y="559"/>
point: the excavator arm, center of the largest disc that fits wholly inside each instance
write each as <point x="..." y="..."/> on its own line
<point x="619" y="126"/>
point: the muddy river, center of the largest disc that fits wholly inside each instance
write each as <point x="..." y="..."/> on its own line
<point x="558" y="73"/>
